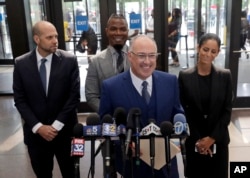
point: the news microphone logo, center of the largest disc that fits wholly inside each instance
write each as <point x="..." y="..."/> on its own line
<point x="150" y="129"/>
<point x="121" y="130"/>
<point x="109" y="129"/>
<point x="178" y="128"/>
<point x="77" y="147"/>
<point x="93" y="130"/>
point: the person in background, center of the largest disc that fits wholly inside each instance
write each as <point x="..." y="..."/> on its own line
<point x="244" y="31"/>
<point x="107" y="63"/>
<point x="125" y="90"/>
<point x="150" y="26"/>
<point x="67" y="33"/>
<point x="46" y="87"/>
<point x="174" y="28"/>
<point x="207" y="98"/>
<point x="104" y="64"/>
<point x="87" y="41"/>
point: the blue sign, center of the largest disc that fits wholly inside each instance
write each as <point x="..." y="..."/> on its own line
<point x="82" y="23"/>
<point x="135" y="21"/>
<point x="1" y="17"/>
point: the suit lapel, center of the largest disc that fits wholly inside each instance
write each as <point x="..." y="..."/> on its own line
<point x="35" y="71"/>
<point x="56" y="60"/>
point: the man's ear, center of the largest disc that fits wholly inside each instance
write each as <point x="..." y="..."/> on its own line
<point x="36" y="38"/>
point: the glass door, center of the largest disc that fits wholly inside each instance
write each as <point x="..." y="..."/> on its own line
<point x="5" y="44"/>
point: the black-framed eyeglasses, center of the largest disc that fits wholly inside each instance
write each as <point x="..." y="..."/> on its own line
<point x="144" y="56"/>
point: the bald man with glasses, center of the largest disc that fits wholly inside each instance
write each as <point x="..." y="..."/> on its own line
<point x="126" y="90"/>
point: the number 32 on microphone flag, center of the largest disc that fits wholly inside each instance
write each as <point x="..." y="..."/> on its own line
<point x="77" y="147"/>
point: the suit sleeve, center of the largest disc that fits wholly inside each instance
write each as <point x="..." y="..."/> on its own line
<point x="225" y="114"/>
<point x="92" y="88"/>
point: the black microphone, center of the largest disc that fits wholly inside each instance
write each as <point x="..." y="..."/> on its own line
<point x="136" y="117"/>
<point x="181" y="129"/>
<point x="166" y="130"/>
<point x="77" y="147"/>
<point x="119" y="116"/>
<point x="130" y="128"/>
<point x="108" y="130"/>
<point x="92" y="130"/>
<point x="120" y="119"/>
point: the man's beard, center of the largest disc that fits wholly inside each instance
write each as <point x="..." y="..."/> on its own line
<point x="118" y="47"/>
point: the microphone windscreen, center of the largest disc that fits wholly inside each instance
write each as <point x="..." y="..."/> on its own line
<point x="151" y="121"/>
<point x="120" y="116"/>
<point x="180" y="118"/>
<point x="78" y="130"/>
<point x="130" y="119"/>
<point x="107" y="118"/>
<point x="93" y="119"/>
<point x="166" y="128"/>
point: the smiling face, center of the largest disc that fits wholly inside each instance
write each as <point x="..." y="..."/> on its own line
<point x="117" y="32"/>
<point x="142" y="56"/>
<point x="208" y="51"/>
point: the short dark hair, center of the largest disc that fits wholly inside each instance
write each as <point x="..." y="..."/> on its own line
<point x="209" y="36"/>
<point x="116" y="16"/>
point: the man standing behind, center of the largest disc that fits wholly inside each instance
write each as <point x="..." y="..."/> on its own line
<point x="127" y="89"/>
<point x="109" y="62"/>
<point x="46" y="88"/>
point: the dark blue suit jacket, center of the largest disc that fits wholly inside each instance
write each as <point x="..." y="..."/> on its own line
<point x="62" y="98"/>
<point x="119" y="91"/>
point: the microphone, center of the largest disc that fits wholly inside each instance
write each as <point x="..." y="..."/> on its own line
<point x="180" y="125"/>
<point x="151" y="130"/>
<point x="136" y="117"/>
<point x="92" y="130"/>
<point x="77" y="148"/>
<point x="109" y="130"/>
<point x="130" y="127"/>
<point x="166" y="130"/>
<point x="181" y="128"/>
<point x="119" y="116"/>
<point x="120" y="120"/>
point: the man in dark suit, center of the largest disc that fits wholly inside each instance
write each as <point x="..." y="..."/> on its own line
<point x="47" y="107"/>
<point x="125" y="90"/>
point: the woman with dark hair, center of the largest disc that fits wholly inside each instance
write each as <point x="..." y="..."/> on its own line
<point x="174" y="35"/>
<point x="207" y="98"/>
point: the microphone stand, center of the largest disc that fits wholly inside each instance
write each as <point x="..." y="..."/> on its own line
<point x="183" y="152"/>
<point x="152" y="154"/>
<point x="92" y="159"/>
<point x="77" y="170"/>
<point x="167" y="143"/>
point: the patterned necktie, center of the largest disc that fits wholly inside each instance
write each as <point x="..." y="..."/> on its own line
<point x="43" y="73"/>
<point x="119" y="63"/>
<point x="145" y="93"/>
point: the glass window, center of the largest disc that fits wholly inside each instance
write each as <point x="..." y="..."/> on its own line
<point x="5" y="44"/>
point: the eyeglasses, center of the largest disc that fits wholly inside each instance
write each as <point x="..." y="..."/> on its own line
<point x="143" y="56"/>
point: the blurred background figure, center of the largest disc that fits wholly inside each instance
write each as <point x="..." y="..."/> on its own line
<point x="174" y="35"/>
<point x="150" y="25"/>
<point x="244" y="31"/>
<point x="87" y="41"/>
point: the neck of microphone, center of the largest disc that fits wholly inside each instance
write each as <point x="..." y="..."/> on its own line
<point x="93" y="126"/>
<point x="109" y="129"/>
<point x="166" y="130"/>
<point x="136" y="117"/>
<point x="77" y="147"/>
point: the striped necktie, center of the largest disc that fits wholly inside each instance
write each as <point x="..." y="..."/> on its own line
<point x="42" y="71"/>
<point x="119" y="62"/>
<point x="145" y="93"/>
